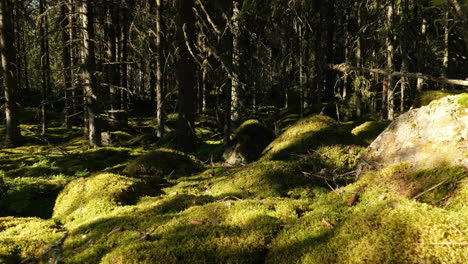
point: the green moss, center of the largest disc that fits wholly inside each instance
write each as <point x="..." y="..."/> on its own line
<point x="226" y="232"/>
<point x="29" y="196"/>
<point x="305" y="135"/>
<point x="248" y="142"/>
<point x="164" y="163"/>
<point x="86" y="198"/>
<point x="384" y="226"/>
<point x="26" y="238"/>
<point x="463" y="99"/>
<point x="265" y="179"/>
<point x="369" y="130"/>
<point x="92" y="160"/>
<point x="427" y="97"/>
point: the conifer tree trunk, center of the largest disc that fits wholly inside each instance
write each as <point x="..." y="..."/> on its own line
<point x="159" y="77"/>
<point x="445" y="60"/>
<point x="185" y="73"/>
<point x="66" y="60"/>
<point x="45" y="62"/>
<point x="236" y="86"/>
<point x="8" y="56"/>
<point x="88" y="71"/>
<point x="387" y="92"/>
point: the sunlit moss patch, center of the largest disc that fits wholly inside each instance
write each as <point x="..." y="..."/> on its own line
<point x="369" y="130"/>
<point x="164" y="163"/>
<point x="86" y="198"/>
<point x="305" y="135"/>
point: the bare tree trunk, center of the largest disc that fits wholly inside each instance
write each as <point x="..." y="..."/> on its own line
<point x="236" y="104"/>
<point x="357" y="90"/>
<point x="159" y="67"/>
<point x="445" y="60"/>
<point x="45" y="66"/>
<point x="185" y="71"/>
<point x="420" y="82"/>
<point x="8" y="56"/>
<point x="66" y="60"/>
<point x="388" y="89"/>
<point x="88" y="71"/>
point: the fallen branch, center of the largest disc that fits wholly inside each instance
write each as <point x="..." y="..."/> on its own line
<point x="430" y="189"/>
<point x="451" y="243"/>
<point x="344" y="67"/>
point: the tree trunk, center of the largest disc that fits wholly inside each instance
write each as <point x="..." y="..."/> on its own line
<point x="236" y="90"/>
<point x="159" y="69"/>
<point x="88" y="71"/>
<point x="45" y="64"/>
<point x="387" y="91"/>
<point x="185" y="71"/>
<point x="66" y="60"/>
<point x="420" y="82"/>
<point x="445" y="60"/>
<point x="8" y="56"/>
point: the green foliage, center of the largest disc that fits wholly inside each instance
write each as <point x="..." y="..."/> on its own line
<point x="164" y="163"/>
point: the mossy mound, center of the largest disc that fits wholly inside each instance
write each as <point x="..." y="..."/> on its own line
<point x="218" y="232"/>
<point x="164" y="163"/>
<point x="369" y="130"/>
<point x="248" y="142"/>
<point x="24" y="240"/>
<point x="92" y="160"/>
<point x="426" y="97"/>
<point x="86" y="198"/>
<point x="263" y="179"/>
<point x="305" y="135"/>
<point x="431" y="136"/>
<point x="29" y="196"/>
<point x="384" y="225"/>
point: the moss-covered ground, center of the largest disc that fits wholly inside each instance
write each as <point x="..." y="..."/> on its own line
<point x="139" y="201"/>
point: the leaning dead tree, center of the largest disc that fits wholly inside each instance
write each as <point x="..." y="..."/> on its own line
<point x="349" y="68"/>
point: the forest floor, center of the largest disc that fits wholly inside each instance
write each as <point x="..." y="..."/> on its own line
<point x="138" y="201"/>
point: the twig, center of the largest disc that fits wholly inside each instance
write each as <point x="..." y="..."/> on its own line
<point x="430" y="189"/>
<point x="451" y="243"/>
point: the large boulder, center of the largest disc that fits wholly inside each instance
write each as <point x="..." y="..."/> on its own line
<point x="431" y="136"/>
<point x="248" y="142"/>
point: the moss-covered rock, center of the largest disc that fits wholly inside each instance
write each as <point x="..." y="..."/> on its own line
<point x="248" y="142"/>
<point x="164" y="163"/>
<point x="86" y="198"/>
<point x="305" y="135"/>
<point x="369" y="130"/>
<point x="431" y="136"/>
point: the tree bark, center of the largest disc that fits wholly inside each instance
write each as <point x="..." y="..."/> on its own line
<point x="66" y="60"/>
<point x="88" y="70"/>
<point x="236" y="86"/>
<point x="388" y="89"/>
<point x="45" y="62"/>
<point x="8" y="57"/>
<point x="185" y="73"/>
<point x="160" y="118"/>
